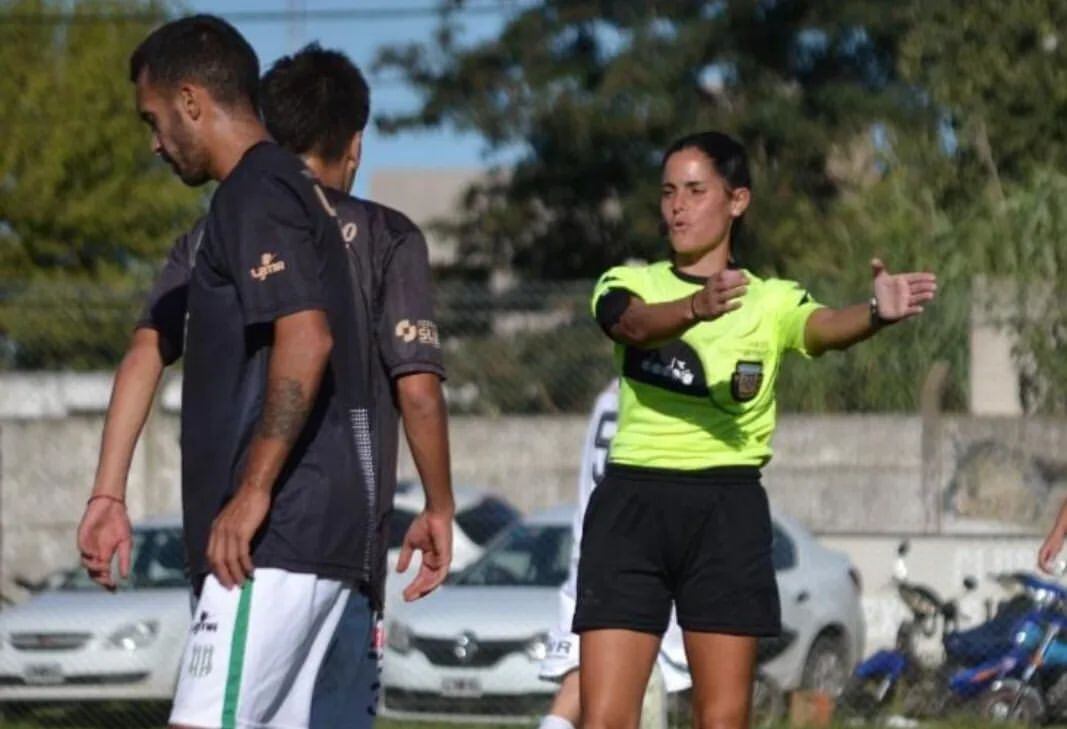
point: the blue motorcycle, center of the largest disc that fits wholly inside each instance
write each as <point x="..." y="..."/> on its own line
<point x="896" y="677"/>
<point x="1027" y="683"/>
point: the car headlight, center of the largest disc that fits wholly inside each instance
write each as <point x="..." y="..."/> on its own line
<point x="537" y="647"/>
<point x="398" y="636"/>
<point x="134" y="635"/>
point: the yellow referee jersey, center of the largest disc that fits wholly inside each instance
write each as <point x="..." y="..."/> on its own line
<point x="706" y="398"/>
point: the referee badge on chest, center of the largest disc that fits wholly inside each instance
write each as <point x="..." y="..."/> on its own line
<point x="746" y="380"/>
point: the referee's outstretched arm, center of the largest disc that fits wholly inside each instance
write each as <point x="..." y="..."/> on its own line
<point x="896" y="297"/>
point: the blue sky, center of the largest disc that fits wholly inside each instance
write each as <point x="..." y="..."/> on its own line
<point x="361" y="39"/>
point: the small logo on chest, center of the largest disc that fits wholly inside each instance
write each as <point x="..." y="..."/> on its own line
<point x="746" y="380"/>
<point x="268" y="265"/>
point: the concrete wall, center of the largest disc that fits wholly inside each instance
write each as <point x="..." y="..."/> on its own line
<point x="838" y="474"/>
<point x="973" y="493"/>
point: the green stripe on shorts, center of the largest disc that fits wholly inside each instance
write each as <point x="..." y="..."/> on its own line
<point x="237" y="657"/>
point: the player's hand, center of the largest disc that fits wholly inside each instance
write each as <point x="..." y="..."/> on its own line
<point x="229" y="547"/>
<point x="1049" y="550"/>
<point x="901" y="295"/>
<point x="430" y="534"/>
<point x="721" y="294"/>
<point x="103" y="531"/>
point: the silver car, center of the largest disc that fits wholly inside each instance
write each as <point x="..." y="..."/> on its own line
<point x="77" y="642"/>
<point x="474" y="647"/>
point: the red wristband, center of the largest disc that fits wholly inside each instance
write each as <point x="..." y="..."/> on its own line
<point x="109" y="497"/>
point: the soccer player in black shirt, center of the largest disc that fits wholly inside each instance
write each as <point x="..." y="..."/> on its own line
<point x="316" y="104"/>
<point x="278" y="458"/>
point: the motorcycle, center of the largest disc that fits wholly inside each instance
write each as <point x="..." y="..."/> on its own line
<point x="1028" y="682"/>
<point x="897" y="676"/>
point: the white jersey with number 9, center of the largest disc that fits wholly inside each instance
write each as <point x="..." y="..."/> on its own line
<point x="563" y="656"/>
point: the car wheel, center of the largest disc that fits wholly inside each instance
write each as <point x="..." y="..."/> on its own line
<point x="826" y="667"/>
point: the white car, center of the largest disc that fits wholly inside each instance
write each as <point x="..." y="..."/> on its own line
<point x="78" y="642"/>
<point x="480" y="516"/>
<point x="474" y="647"/>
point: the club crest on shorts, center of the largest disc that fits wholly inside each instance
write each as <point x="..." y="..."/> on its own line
<point x="746" y="380"/>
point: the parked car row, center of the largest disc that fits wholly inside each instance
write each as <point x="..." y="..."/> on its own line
<point x="475" y="645"/>
<point x="472" y="647"/>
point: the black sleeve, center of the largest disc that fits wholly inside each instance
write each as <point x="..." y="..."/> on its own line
<point x="610" y="308"/>
<point x="408" y="329"/>
<point x="164" y="309"/>
<point x="273" y="250"/>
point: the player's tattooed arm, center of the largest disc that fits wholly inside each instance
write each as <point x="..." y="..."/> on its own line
<point x="285" y="411"/>
<point x="302" y="345"/>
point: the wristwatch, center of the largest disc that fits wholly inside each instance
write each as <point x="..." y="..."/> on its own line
<point x="877" y="320"/>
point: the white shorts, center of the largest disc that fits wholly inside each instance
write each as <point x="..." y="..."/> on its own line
<point x="563" y="654"/>
<point x="253" y="652"/>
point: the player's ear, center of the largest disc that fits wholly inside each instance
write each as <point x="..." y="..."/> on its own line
<point x="190" y="102"/>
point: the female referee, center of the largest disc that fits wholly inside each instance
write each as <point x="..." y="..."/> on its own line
<point x="681" y="515"/>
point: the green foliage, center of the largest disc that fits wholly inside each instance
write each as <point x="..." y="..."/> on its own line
<point x="921" y="132"/>
<point x="999" y="73"/>
<point x="85" y="206"/>
<point x="532" y="349"/>
<point x="594" y="91"/>
<point x="559" y="371"/>
<point x="1023" y="244"/>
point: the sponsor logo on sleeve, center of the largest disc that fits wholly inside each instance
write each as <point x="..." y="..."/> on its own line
<point x="269" y="264"/>
<point x="423" y="330"/>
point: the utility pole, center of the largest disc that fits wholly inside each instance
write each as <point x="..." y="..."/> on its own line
<point x="296" y="12"/>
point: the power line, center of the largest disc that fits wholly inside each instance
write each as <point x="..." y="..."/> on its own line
<point x="268" y="16"/>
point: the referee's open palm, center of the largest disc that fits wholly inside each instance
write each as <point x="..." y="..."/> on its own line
<point x="901" y="295"/>
<point x="431" y="535"/>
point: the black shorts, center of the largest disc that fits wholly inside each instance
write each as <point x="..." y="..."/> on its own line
<point x="700" y="539"/>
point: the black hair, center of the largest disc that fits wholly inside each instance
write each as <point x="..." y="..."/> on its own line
<point x="728" y="158"/>
<point x="315" y="101"/>
<point x="201" y="49"/>
<point x="727" y="155"/>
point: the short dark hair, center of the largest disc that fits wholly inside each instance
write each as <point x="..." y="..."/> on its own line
<point x="202" y="49"/>
<point x="315" y="101"/>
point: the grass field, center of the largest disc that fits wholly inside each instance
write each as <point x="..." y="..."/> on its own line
<point x="154" y="716"/>
<point x="118" y="716"/>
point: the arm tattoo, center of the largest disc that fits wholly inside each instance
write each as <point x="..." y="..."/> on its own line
<point x="285" y="410"/>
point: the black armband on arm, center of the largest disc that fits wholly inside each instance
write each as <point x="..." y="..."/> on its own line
<point x="610" y="307"/>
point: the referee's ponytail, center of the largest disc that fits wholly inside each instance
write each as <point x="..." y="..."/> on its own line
<point x="728" y="158"/>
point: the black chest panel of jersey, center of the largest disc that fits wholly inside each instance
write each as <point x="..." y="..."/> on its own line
<point x="674" y="366"/>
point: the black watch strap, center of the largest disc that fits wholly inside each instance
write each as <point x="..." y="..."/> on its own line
<point x="877" y="320"/>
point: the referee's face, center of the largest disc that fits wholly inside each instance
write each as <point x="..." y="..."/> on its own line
<point x="697" y="206"/>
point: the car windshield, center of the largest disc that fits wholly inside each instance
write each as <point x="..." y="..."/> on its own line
<point x="156" y="560"/>
<point x="486" y="519"/>
<point x="525" y="555"/>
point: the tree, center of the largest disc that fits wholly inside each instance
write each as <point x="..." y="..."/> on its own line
<point x="593" y="91"/>
<point x="997" y="74"/>
<point x="920" y="131"/>
<point x="86" y="211"/>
